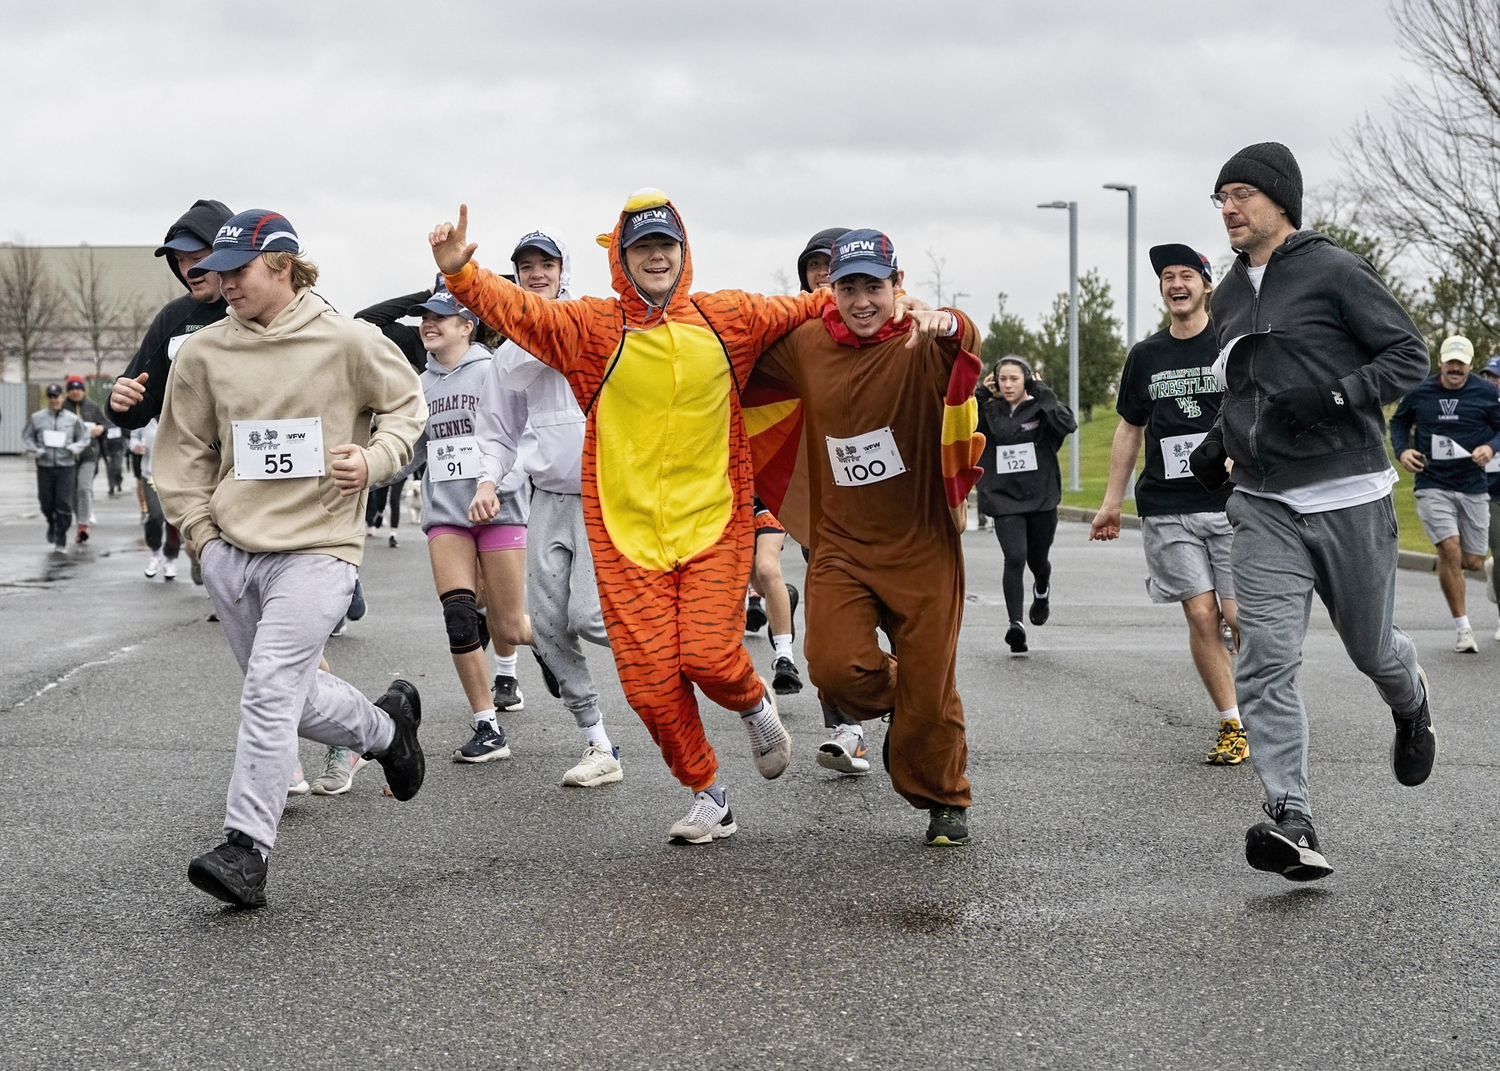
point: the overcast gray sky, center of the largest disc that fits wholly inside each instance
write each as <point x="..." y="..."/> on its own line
<point x="941" y="123"/>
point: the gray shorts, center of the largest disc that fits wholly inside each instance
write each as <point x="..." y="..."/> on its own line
<point x="1446" y="514"/>
<point x="1186" y="555"/>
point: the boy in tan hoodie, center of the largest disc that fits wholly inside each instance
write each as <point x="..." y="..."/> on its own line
<point x="262" y="459"/>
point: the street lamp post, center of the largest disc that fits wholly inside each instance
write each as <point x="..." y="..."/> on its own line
<point x="1129" y="286"/>
<point x="1072" y="207"/>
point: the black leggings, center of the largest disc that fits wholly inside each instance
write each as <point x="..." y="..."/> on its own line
<point x="1025" y="539"/>
<point x="379" y="498"/>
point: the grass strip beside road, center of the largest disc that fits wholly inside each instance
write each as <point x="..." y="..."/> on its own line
<point x="1093" y="471"/>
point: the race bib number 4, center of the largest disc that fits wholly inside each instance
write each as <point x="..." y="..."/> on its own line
<point x="1175" y="450"/>
<point x="1445" y="449"/>
<point x="864" y="459"/>
<point x="452" y="459"/>
<point x="1018" y="457"/>
<point x="278" y="449"/>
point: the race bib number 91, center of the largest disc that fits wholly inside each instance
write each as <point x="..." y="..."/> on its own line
<point x="1175" y="451"/>
<point x="278" y="449"/>
<point x="864" y="459"/>
<point x="452" y="459"/>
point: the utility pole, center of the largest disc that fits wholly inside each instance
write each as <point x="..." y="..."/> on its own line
<point x="1072" y="207"/>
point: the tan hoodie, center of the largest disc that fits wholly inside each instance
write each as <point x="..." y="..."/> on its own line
<point x="310" y="362"/>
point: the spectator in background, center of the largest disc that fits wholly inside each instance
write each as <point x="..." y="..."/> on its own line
<point x="77" y="402"/>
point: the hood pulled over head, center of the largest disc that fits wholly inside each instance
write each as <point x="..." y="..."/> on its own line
<point x="540" y="238"/>
<point x="638" y="311"/>
<point x="194" y="229"/>
<point x="822" y="242"/>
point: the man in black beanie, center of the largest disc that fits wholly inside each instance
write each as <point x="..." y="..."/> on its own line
<point x="1311" y="345"/>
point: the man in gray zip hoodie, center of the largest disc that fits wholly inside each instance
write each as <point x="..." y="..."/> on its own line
<point x="1312" y="344"/>
<point x="56" y="437"/>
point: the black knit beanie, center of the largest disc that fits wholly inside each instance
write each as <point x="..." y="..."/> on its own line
<point x="1272" y="169"/>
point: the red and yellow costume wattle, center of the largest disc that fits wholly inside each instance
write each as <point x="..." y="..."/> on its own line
<point x="667" y="476"/>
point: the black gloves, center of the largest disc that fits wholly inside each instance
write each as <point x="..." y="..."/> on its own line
<point x="1303" y="408"/>
<point x="1207" y="463"/>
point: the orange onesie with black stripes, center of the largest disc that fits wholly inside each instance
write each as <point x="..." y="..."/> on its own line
<point x="868" y="470"/>
<point x="667" y="478"/>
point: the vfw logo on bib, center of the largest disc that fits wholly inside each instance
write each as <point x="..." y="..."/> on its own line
<point x="864" y="459"/>
<point x="1175" y="450"/>
<point x="278" y="449"/>
<point x="1017" y="457"/>
<point x="452" y="459"/>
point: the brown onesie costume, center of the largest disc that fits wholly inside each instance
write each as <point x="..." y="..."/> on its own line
<point x="885" y="552"/>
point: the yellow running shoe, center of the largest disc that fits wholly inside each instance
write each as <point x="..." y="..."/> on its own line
<point x="1232" y="747"/>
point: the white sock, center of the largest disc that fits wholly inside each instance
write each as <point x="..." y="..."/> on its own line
<point x="756" y="709"/>
<point x="782" y="646"/>
<point x="1232" y="714"/>
<point x="1042" y="594"/>
<point x="505" y="667"/>
<point x="1461" y="622"/>
<point x="595" y="734"/>
<point x="487" y="716"/>
<point x="858" y="729"/>
<point x="716" y="790"/>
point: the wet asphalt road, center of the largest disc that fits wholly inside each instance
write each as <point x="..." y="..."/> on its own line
<point x="1103" y="916"/>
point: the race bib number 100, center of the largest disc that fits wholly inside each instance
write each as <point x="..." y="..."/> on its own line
<point x="1175" y="451"/>
<point x="452" y="459"/>
<point x="864" y="459"/>
<point x="278" y="449"/>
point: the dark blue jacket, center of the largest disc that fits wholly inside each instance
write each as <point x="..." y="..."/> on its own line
<point x="1470" y="416"/>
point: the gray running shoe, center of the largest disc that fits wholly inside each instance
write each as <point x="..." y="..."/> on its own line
<point x="339" y="767"/>
<point x="487" y="743"/>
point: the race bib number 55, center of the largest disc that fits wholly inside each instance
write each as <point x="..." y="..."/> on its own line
<point x="864" y="459"/>
<point x="278" y="449"/>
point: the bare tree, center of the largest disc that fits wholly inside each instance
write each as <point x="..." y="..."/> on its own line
<point x="785" y="284"/>
<point x="1428" y="179"/>
<point x="29" y="304"/>
<point x="96" y="306"/>
<point x="935" y="280"/>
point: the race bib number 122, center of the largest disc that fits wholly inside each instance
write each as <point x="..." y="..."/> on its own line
<point x="278" y="449"/>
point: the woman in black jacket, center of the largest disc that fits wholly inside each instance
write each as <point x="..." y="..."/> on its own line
<point x="1024" y="425"/>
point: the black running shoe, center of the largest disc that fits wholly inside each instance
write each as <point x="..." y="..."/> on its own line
<point x="1286" y="845"/>
<point x="755" y="615"/>
<point x="233" y="872"/>
<point x="785" y="679"/>
<point x="405" y="765"/>
<point x="791" y="593"/>
<point x="548" y="677"/>
<point x="488" y="742"/>
<point x="1041" y="608"/>
<point x="357" y="602"/>
<point x="1016" y="637"/>
<point x="1415" y="747"/>
<point x="948" y="828"/>
<point x="507" y="694"/>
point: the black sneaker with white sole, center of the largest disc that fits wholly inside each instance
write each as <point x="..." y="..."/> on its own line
<point x="234" y="872"/>
<point x="1415" y="747"/>
<point x="785" y="679"/>
<point x="755" y="614"/>
<point x="405" y="765"/>
<point x="487" y="743"/>
<point x="1041" y="607"/>
<point x="1015" y="636"/>
<point x="507" y="694"/>
<point x="1286" y="845"/>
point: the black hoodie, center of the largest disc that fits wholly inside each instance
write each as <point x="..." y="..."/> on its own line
<point x="179" y="318"/>
<point x="822" y="242"/>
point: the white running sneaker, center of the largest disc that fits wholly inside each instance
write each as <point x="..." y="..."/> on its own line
<point x="597" y="767"/>
<point x="705" y="823"/>
<point x="845" y="752"/>
<point x="770" y="743"/>
<point x="339" y="767"/>
<point x="371" y="531"/>
<point x="169" y="569"/>
<point x="299" y="785"/>
<point x="153" y="565"/>
<point x="1465" y="643"/>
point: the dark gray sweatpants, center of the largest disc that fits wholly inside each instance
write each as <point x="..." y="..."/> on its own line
<point x="277" y="611"/>
<point x="1279" y="559"/>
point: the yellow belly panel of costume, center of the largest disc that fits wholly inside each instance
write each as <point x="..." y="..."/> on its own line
<point x="662" y="439"/>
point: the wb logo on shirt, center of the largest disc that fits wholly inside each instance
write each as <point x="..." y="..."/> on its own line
<point x="1189" y="406"/>
<point x="1449" y="407"/>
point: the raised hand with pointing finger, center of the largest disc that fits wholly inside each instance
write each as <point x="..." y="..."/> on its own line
<point x="451" y="247"/>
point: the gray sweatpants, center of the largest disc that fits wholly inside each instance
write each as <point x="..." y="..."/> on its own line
<point x="277" y="611"/>
<point x="563" y="598"/>
<point x="84" y="495"/>
<point x="1279" y="559"/>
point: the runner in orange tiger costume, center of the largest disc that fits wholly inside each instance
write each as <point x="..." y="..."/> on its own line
<point x="667" y="478"/>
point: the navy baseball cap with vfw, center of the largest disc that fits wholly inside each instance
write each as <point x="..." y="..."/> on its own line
<point x="245" y="237"/>
<point x="862" y="252"/>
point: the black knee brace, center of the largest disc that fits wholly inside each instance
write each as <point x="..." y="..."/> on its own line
<point x="462" y="618"/>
